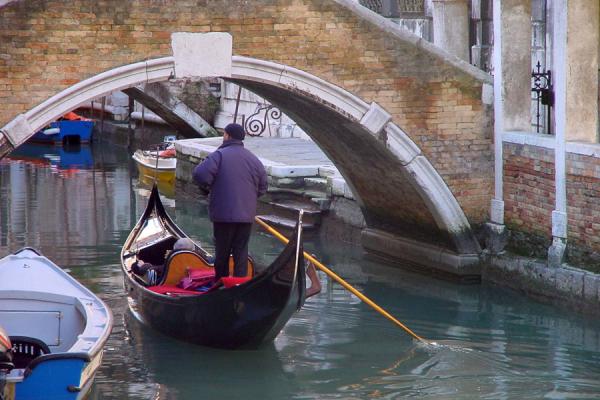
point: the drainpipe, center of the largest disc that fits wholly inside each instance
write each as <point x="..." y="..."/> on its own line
<point x="556" y="252"/>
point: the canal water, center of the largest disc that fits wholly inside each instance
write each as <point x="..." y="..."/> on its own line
<point x="77" y="207"/>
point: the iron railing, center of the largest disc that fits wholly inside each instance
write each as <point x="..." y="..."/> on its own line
<point x="257" y="122"/>
<point x="544" y="96"/>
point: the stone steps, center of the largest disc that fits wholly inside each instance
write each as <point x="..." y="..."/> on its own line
<point x="281" y="207"/>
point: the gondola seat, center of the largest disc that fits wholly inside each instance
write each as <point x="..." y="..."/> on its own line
<point x="180" y="261"/>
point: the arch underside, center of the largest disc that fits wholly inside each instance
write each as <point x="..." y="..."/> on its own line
<point x="386" y="194"/>
<point x="396" y="195"/>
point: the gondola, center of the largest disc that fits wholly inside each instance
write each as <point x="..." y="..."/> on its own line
<point x="240" y="313"/>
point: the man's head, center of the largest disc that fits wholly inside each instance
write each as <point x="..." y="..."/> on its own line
<point x="184" y="244"/>
<point x="235" y="131"/>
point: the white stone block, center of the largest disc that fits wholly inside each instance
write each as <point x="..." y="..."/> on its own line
<point x="487" y="94"/>
<point x="375" y="118"/>
<point x="337" y="186"/>
<point x="202" y="54"/>
<point x="497" y="211"/>
<point x="529" y="138"/>
<point x="288" y="171"/>
<point x="18" y="130"/>
<point x="190" y="147"/>
<point x="268" y="164"/>
<point x="586" y="149"/>
<point x="328" y="170"/>
<point x="559" y="224"/>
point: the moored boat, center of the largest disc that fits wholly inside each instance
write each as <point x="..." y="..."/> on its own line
<point x="234" y="313"/>
<point x="70" y="129"/>
<point x="158" y="162"/>
<point x="57" y="327"/>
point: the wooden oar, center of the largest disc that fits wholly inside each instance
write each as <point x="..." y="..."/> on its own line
<point x="342" y="282"/>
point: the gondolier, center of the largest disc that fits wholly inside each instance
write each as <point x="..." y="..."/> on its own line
<point x="235" y="179"/>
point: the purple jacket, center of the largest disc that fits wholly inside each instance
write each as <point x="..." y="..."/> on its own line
<point x="235" y="178"/>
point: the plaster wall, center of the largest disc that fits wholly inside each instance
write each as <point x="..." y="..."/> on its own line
<point x="516" y="61"/>
<point x="582" y="73"/>
<point x="451" y="27"/>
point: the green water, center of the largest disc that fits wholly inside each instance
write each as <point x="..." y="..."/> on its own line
<point x="77" y="208"/>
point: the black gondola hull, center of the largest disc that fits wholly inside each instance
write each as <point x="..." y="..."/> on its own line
<point x="244" y="316"/>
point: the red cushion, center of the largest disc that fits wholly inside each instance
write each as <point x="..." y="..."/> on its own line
<point x="232" y="281"/>
<point x="201" y="273"/>
<point x="171" y="290"/>
<point x="196" y="278"/>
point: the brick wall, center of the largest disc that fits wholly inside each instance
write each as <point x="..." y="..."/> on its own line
<point x="47" y="46"/>
<point x="529" y="188"/>
<point x="583" y="208"/>
<point x="529" y="197"/>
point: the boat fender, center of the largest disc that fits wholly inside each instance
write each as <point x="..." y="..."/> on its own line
<point x="6" y="364"/>
<point x="51" y="131"/>
<point x="5" y="351"/>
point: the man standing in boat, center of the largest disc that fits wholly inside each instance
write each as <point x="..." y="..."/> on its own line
<point x="235" y="179"/>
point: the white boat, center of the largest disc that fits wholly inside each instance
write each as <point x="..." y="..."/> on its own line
<point x="148" y="158"/>
<point x="58" y="329"/>
<point x="159" y="162"/>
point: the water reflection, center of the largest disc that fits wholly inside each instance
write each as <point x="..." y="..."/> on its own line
<point x="56" y="206"/>
<point x="63" y="158"/>
<point x="199" y="372"/>
<point x="166" y="188"/>
<point x="493" y="343"/>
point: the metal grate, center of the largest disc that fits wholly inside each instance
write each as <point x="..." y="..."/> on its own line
<point x="374" y="5"/>
<point x="411" y="6"/>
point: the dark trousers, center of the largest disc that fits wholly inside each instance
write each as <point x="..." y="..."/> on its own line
<point x="231" y="239"/>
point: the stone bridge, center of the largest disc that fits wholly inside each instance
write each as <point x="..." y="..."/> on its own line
<point x="409" y="127"/>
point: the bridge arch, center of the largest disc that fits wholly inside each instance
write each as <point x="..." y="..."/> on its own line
<point x="398" y="189"/>
<point x="398" y="81"/>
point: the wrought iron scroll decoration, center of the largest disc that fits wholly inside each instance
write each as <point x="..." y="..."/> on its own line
<point x="254" y="125"/>
<point x="542" y="87"/>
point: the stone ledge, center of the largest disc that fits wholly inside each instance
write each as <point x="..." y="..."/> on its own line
<point x="429" y="256"/>
<point x="294" y="171"/>
<point x="563" y="285"/>
<point x="548" y="142"/>
<point x="193" y="151"/>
